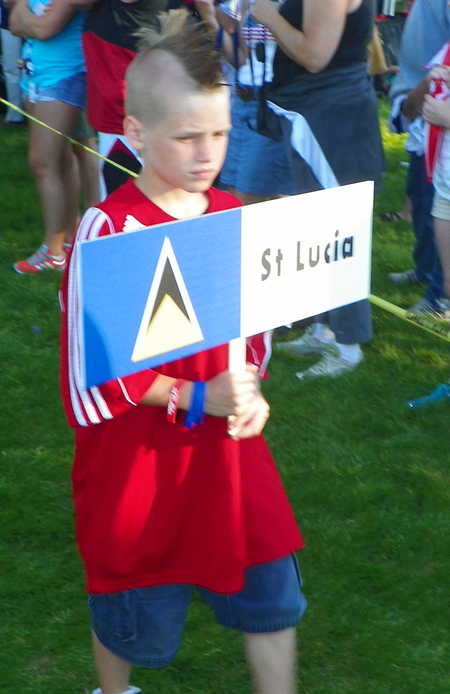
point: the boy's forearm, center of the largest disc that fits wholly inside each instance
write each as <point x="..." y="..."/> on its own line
<point x="226" y="394"/>
<point x="159" y="392"/>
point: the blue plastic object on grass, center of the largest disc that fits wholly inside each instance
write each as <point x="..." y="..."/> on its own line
<point x="439" y="394"/>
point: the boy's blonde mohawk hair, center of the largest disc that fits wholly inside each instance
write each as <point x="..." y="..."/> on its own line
<point x="190" y="43"/>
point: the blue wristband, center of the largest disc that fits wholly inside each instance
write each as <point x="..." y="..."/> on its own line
<point x="194" y="415"/>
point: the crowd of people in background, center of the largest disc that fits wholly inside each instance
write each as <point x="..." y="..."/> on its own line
<point x="66" y="64"/>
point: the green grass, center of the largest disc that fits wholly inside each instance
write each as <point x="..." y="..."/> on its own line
<point x="368" y="480"/>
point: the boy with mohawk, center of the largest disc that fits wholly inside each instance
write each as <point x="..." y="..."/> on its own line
<point x="161" y="509"/>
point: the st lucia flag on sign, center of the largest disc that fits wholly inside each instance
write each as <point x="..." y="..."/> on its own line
<point x="160" y="294"/>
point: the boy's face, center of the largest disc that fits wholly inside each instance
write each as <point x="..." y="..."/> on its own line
<point x="186" y="150"/>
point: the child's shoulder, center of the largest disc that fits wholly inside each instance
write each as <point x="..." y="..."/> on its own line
<point x="128" y="201"/>
<point x="128" y="209"/>
<point x="127" y="194"/>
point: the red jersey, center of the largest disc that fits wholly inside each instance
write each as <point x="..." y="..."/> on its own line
<point x="156" y="503"/>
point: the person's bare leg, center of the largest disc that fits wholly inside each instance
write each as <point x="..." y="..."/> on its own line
<point x="71" y="181"/>
<point x="89" y="168"/>
<point x="47" y="154"/>
<point x="272" y="661"/>
<point x="442" y="237"/>
<point x="113" y="673"/>
<point x="405" y="212"/>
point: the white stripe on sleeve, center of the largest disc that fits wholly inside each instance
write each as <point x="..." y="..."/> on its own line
<point x="88" y="404"/>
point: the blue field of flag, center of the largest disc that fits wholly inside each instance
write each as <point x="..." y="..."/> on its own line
<point x="118" y="278"/>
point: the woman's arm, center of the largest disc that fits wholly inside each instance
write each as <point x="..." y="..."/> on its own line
<point x="23" y="22"/>
<point x="213" y="17"/>
<point x="323" y="26"/>
<point x="412" y="105"/>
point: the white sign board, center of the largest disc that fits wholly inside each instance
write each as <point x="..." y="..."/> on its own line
<point x="165" y="292"/>
<point x="303" y="255"/>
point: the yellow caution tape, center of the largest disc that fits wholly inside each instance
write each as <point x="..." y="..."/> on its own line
<point x="74" y="142"/>
<point x="415" y="318"/>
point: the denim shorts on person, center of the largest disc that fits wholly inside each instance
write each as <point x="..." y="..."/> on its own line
<point x="144" y="626"/>
<point x="70" y="90"/>
<point x="254" y="164"/>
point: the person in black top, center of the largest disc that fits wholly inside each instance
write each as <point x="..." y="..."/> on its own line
<point x="320" y="73"/>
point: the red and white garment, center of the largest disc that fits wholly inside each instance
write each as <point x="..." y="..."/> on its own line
<point x="434" y="134"/>
<point x="156" y="503"/>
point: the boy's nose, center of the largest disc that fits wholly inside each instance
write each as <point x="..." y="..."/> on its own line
<point x="204" y="151"/>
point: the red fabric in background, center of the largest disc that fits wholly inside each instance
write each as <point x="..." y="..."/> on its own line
<point x="105" y="83"/>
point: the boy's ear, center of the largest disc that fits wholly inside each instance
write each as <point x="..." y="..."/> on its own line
<point x="132" y="128"/>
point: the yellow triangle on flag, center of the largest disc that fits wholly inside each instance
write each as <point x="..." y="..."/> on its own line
<point x="169" y="329"/>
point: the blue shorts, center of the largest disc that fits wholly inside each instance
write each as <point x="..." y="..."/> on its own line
<point x="254" y="164"/>
<point x="144" y="626"/>
<point x="70" y="90"/>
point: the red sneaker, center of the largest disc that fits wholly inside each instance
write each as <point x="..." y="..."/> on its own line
<point x="41" y="260"/>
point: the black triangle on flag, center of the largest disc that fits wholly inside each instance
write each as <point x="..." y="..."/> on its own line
<point x="169" y="321"/>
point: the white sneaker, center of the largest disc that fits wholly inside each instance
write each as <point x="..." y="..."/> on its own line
<point x="331" y="365"/>
<point x="305" y="345"/>
<point x="438" y="309"/>
<point x="407" y="277"/>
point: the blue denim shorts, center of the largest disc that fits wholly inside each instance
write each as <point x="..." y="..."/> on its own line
<point x="144" y="626"/>
<point x="254" y="164"/>
<point x="70" y="90"/>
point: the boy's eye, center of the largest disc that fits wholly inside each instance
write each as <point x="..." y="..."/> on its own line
<point x="185" y="138"/>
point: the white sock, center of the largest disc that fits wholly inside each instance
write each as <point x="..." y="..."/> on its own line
<point x="350" y="353"/>
<point x="322" y="332"/>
